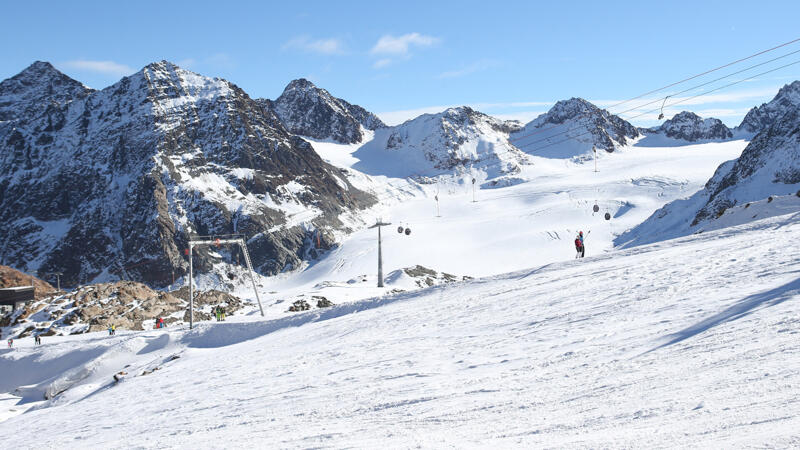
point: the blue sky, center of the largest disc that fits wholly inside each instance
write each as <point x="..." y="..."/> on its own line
<point x="398" y="59"/>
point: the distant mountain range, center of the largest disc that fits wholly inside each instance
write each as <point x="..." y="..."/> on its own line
<point x="110" y="184"/>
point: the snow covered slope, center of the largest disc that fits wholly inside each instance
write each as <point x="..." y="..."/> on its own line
<point x="768" y="166"/>
<point x="570" y="128"/>
<point x="761" y="117"/>
<point x="657" y="346"/>
<point x="454" y="141"/>
<point x="307" y="110"/>
<point x="103" y="185"/>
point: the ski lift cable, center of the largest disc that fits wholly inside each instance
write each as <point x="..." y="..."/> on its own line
<point x="550" y="144"/>
<point x="671" y="95"/>
<point x="677" y="83"/>
<point x="718" y="88"/>
<point x="707" y="72"/>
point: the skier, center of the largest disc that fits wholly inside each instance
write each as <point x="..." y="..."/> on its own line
<point x="10" y="342"/>
<point x="222" y="313"/>
<point x="37" y="340"/>
<point x="580" y="247"/>
<point x="110" y="330"/>
<point x="113" y="329"/>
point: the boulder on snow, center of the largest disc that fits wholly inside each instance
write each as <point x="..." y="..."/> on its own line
<point x="322" y="302"/>
<point x="299" y="305"/>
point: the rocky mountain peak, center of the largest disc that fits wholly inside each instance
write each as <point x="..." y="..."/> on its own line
<point x="761" y="117"/>
<point x="569" y="109"/>
<point x="39" y="87"/>
<point x="577" y="123"/>
<point x="308" y="110"/>
<point x="303" y="84"/>
<point x="688" y="126"/>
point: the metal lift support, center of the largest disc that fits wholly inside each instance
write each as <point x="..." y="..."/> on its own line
<point x="219" y="242"/>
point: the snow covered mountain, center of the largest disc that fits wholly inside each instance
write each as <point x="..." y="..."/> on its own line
<point x="570" y="128"/>
<point x="768" y="166"/>
<point x="761" y="117"/>
<point x="110" y="184"/>
<point x="307" y="110"/>
<point x="690" y="127"/>
<point x="454" y="140"/>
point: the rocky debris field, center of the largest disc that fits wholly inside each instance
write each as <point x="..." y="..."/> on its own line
<point x="128" y="305"/>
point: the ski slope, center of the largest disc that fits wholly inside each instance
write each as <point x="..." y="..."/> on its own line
<point x="685" y="343"/>
<point x="523" y="221"/>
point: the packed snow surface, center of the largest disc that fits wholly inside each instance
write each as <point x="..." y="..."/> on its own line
<point x="688" y="343"/>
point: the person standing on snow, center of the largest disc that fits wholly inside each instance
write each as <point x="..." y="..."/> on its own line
<point x="579" y="244"/>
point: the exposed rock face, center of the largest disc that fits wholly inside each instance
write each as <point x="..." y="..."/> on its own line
<point x="451" y="140"/>
<point x="307" y="110"/>
<point x="11" y="278"/>
<point x="110" y="184"/>
<point x="688" y="126"/>
<point x="761" y="117"/>
<point x="769" y="166"/>
<point x="574" y="122"/>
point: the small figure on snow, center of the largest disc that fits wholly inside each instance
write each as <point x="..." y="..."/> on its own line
<point x="579" y="245"/>
<point x="10" y="342"/>
<point x="37" y="340"/>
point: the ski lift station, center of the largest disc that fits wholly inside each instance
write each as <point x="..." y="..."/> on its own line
<point x="14" y="298"/>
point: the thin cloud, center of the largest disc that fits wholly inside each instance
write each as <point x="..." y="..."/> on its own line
<point x="477" y="66"/>
<point x="186" y="63"/>
<point x="103" y="67"/>
<point x="326" y="46"/>
<point x="401" y="45"/>
<point x="381" y="63"/>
